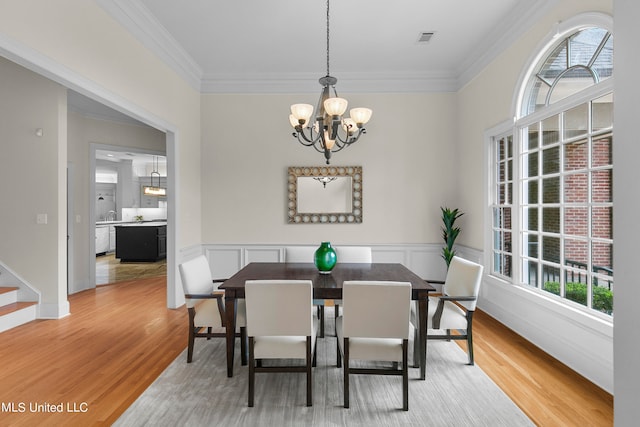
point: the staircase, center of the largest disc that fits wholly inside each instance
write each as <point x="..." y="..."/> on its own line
<point x="12" y="312"/>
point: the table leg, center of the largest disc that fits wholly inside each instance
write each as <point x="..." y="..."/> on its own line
<point x="230" y="326"/>
<point x="423" y="305"/>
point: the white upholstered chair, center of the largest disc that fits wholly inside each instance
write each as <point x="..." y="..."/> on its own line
<point x="205" y="304"/>
<point x="375" y="327"/>
<point x="306" y="254"/>
<point x="454" y="309"/>
<point x="280" y="332"/>
<point x="351" y="254"/>
<point x="344" y="254"/>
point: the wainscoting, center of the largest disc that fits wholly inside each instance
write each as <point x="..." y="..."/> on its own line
<point x="424" y="260"/>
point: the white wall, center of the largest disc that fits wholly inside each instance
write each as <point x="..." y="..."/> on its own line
<point x="77" y="43"/>
<point x="82" y="132"/>
<point x="405" y="155"/>
<point x="626" y="152"/>
<point x="582" y="341"/>
<point x="32" y="182"/>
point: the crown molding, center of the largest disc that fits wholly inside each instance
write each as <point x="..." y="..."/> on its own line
<point x="142" y="24"/>
<point x="516" y="23"/>
<point x="347" y="82"/>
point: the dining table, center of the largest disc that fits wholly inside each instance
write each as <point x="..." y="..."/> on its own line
<point x="325" y="286"/>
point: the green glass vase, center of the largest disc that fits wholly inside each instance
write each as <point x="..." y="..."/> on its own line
<point x="325" y="258"/>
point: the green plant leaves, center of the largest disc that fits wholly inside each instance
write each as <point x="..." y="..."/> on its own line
<point x="449" y="232"/>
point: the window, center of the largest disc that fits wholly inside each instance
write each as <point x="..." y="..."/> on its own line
<point x="502" y="208"/>
<point x="578" y="62"/>
<point x="551" y="197"/>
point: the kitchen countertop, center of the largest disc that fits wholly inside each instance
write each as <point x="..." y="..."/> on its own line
<point x="133" y="223"/>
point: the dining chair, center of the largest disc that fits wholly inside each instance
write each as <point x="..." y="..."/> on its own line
<point x="205" y="304"/>
<point x="277" y="332"/>
<point x="344" y="254"/>
<point x="375" y="327"/>
<point x="453" y="311"/>
<point x="306" y="254"/>
<point x="351" y="254"/>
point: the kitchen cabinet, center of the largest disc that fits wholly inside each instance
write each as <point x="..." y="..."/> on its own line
<point x="102" y="240"/>
<point x="112" y="238"/>
<point x="145" y="242"/>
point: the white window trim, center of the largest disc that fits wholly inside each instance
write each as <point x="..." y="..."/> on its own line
<point x="509" y="127"/>
<point x="559" y="31"/>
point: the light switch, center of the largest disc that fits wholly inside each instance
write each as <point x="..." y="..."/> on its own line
<point x="78" y="219"/>
<point x="41" y="218"/>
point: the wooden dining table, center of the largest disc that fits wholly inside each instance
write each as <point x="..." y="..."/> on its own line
<point x="325" y="286"/>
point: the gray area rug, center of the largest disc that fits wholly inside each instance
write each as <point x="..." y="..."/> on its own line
<point x="200" y="394"/>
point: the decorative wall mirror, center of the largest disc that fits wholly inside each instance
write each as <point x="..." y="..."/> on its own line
<point x="324" y="194"/>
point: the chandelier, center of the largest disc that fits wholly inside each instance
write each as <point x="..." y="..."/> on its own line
<point x="330" y="132"/>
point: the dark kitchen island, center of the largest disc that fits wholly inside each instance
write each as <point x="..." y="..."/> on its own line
<point x="141" y="242"/>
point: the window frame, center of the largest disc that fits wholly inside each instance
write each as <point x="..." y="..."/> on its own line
<point x="516" y="127"/>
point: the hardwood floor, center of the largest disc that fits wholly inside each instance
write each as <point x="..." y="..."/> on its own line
<point x="549" y="392"/>
<point x="109" y="269"/>
<point x="120" y="337"/>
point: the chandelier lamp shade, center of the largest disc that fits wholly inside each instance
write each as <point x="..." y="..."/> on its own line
<point x="330" y="131"/>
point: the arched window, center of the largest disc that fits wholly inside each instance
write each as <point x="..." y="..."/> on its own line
<point x="579" y="61"/>
<point x="551" y="184"/>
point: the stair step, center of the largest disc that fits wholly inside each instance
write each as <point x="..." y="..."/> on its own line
<point x="10" y="308"/>
<point x="17" y="313"/>
<point x="8" y="295"/>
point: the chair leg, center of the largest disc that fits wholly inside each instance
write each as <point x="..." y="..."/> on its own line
<point x="405" y="375"/>
<point x="252" y="374"/>
<point x="192" y="332"/>
<point x="336" y="308"/>
<point x="346" y="372"/>
<point x="470" y="337"/>
<point x="309" y="374"/>
<point x="190" y="345"/>
<point x="338" y="355"/>
<point x="315" y="353"/>
<point x="243" y="345"/>
<point x="321" y="308"/>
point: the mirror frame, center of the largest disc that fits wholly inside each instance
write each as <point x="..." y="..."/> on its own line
<point x="353" y="217"/>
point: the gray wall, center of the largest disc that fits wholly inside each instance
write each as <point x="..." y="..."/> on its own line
<point x="406" y="157"/>
<point x="33" y="181"/>
<point x="626" y="152"/>
<point x="84" y="131"/>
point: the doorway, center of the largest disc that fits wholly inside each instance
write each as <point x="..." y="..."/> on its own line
<point x="122" y="174"/>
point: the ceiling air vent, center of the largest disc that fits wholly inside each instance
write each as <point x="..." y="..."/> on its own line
<point x="425" y="37"/>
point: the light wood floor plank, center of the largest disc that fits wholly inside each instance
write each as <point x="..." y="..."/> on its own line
<point x="120" y="337"/>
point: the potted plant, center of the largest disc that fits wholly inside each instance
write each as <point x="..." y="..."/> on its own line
<point x="449" y="232"/>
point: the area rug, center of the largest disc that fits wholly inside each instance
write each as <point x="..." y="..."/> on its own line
<point x="200" y="394"/>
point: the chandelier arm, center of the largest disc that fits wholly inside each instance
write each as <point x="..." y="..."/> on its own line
<point x="304" y="139"/>
<point x="350" y="139"/>
<point x="318" y="146"/>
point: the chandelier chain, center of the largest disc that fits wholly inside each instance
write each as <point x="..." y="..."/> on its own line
<point x="323" y="133"/>
<point x="327" y="37"/>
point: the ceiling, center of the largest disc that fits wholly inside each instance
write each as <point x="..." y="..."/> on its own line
<point x="280" y="45"/>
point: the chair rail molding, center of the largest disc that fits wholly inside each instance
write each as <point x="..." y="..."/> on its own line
<point x="423" y="259"/>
